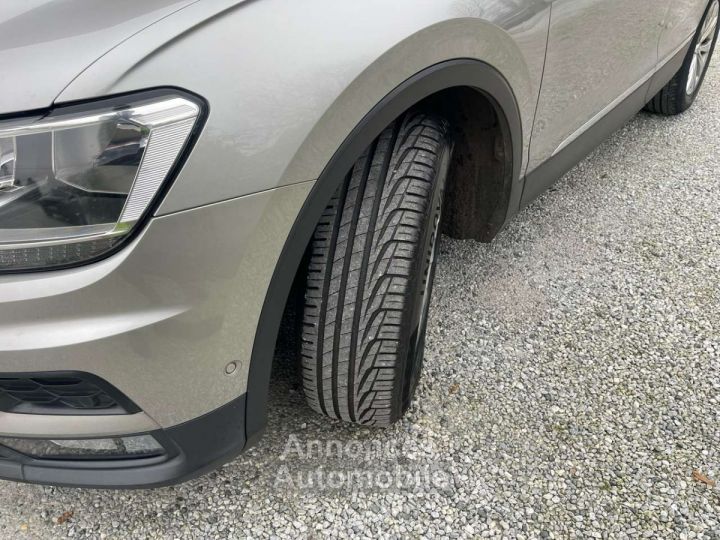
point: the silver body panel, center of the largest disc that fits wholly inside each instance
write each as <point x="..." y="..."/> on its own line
<point x="53" y="425"/>
<point x="286" y="83"/>
<point x="45" y="44"/>
<point x="286" y="86"/>
<point x="597" y="51"/>
<point x="159" y="320"/>
<point x="679" y="23"/>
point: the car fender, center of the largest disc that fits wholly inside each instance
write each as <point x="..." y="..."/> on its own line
<point x="310" y="116"/>
<point x="286" y="90"/>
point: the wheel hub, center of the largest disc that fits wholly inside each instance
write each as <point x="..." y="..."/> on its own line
<point x="703" y="49"/>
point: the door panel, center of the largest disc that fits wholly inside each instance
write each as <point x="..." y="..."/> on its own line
<point x="680" y="23"/>
<point x="598" y="50"/>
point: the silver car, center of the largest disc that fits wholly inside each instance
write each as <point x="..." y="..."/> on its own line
<point x="179" y="177"/>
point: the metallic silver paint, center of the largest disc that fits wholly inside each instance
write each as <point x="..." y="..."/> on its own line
<point x="680" y="22"/>
<point x="286" y="83"/>
<point x="162" y="318"/>
<point x="597" y="50"/>
<point x="589" y="124"/>
<point x="45" y="44"/>
<point x="49" y="426"/>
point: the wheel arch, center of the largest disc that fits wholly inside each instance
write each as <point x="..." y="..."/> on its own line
<point x="431" y="87"/>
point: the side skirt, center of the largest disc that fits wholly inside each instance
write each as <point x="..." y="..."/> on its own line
<point x="545" y="174"/>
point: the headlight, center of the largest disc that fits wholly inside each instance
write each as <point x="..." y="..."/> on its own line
<point x="75" y="183"/>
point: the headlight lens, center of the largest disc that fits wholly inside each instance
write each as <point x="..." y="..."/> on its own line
<point x="74" y="185"/>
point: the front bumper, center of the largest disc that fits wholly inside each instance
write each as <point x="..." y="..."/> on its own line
<point x="191" y="449"/>
<point x="160" y="321"/>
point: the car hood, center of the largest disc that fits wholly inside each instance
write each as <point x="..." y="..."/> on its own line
<point x="45" y="44"/>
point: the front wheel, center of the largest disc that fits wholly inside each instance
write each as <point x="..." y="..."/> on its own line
<point x="370" y="276"/>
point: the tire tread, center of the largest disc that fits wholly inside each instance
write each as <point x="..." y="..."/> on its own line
<point x="362" y="260"/>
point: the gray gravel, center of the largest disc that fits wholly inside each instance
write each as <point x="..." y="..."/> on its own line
<point x="572" y="384"/>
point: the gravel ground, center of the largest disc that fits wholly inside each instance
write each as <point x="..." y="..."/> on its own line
<point x="572" y="384"/>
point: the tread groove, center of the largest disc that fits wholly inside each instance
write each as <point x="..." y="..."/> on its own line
<point x="347" y="259"/>
<point x="326" y="288"/>
<point x="361" y="291"/>
<point x="363" y="269"/>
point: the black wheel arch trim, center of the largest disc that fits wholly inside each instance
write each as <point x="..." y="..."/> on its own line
<point x="462" y="72"/>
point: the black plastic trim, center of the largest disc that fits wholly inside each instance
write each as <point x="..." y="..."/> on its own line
<point x="125" y="404"/>
<point x="192" y="449"/>
<point x="667" y="71"/>
<point x="451" y="74"/>
<point x="121" y="100"/>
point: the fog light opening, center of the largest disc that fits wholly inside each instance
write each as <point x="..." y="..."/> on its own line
<point x="136" y="446"/>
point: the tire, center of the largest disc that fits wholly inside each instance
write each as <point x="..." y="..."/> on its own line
<point x="372" y="263"/>
<point x="679" y="94"/>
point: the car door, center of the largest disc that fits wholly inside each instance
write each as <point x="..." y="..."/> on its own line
<point x="677" y="30"/>
<point x="679" y="25"/>
<point x="598" y="52"/>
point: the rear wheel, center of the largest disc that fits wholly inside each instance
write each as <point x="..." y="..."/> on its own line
<point x="372" y="263"/>
<point x="680" y="93"/>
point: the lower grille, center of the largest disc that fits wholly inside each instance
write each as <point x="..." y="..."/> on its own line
<point x="66" y="393"/>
